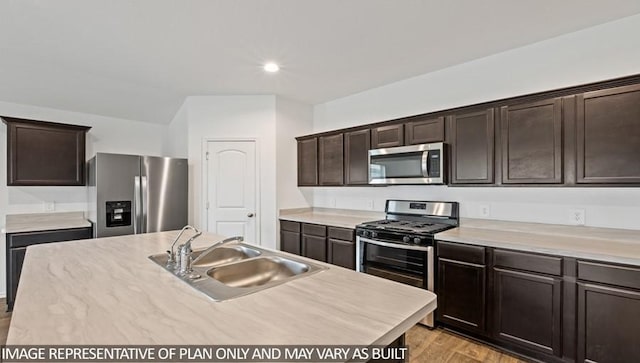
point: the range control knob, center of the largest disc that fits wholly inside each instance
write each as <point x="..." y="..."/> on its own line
<point x="417" y="240"/>
<point x="406" y="239"/>
<point x="365" y="233"/>
<point x="374" y="234"/>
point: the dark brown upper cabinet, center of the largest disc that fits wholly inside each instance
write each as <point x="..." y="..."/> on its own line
<point x="331" y="160"/>
<point x="45" y="153"/>
<point x="532" y="142"/>
<point x="424" y="131"/>
<point x="356" y="154"/>
<point x="387" y="136"/>
<point x="608" y="136"/>
<point x="472" y="147"/>
<point x="308" y="162"/>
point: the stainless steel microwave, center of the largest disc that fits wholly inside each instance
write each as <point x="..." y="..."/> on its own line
<point x="414" y="164"/>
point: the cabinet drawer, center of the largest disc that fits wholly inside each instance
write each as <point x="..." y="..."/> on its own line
<point x="528" y="262"/>
<point x="461" y="252"/>
<point x="290" y="226"/>
<point x="344" y="234"/>
<point x="625" y="276"/>
<point x="314" y="230"/>
<point x="24" y="239"/>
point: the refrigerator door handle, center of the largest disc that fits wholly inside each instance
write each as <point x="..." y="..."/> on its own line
<point x="144" y="196"/>
<point x="137" y="207"/>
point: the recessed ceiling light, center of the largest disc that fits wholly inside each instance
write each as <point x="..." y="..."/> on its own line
<point x="271" y="67"/>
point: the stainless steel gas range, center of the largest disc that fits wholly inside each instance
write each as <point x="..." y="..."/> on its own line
<point x="400" y="247"/>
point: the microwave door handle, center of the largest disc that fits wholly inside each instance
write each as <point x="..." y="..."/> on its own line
<point x="425" y="163"/>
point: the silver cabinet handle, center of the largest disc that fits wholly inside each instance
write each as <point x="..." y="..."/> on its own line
<point x="250" y="215"/>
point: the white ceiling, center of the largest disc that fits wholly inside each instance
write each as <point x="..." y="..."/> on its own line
<point x="138" y="59"/>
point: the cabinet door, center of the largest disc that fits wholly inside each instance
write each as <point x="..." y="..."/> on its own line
<point x="472" y="148"/>
<point x="290" y="242"/>
<point x="356" y="153"/>
<point x="532" y="142"/>
<point x="461" y="294"/>
<point x="424" y="131"/>
<point x="527" y="310"/>
<point x="45" y="153"/>
<point x="314" y="247"/>
<point x="342" y="253"/>
<point x="608" y="324"/>
<point x="331" y="160"/>
<point x="387" y="136"/>
<point x="308" y="162"/>
<point x="14" y="267"/>
<point x="608" y="136"/>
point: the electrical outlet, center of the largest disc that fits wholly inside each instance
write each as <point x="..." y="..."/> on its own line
<point x="49" y="206"/>
<point x="485" y="210"/>
<point x="332" y="202"/>
<point x="577" y="216"/>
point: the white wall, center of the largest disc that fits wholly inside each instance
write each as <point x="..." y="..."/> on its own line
<point x="176" y="134"/>
<point x="292" y="119"/>
<point x="603" y="52"/>
<point x="106" y="135"/>
<point x="234" y="117"/>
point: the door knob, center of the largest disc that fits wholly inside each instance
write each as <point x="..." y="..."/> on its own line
<point x="250" y="215"/>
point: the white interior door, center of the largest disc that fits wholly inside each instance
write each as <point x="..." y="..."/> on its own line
<point x="232" y="189"/>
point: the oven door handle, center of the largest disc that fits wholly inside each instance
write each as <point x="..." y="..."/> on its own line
<point x="395" y="245"/>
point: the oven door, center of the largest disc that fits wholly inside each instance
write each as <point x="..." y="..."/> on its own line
<point x="415" y="164"/>
<point x="407" y="264"/>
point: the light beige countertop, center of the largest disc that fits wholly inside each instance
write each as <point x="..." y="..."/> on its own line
<point x="343" y="218"/>
<point x="16" y="223"/>
<point x="603" y="244"/>
<point x="107" y="291"/>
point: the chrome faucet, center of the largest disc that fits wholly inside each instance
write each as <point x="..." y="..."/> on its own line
<point x="219" y="244"/>
<point x="182" y="264"/>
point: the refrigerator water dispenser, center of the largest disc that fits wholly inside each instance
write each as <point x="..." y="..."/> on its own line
<point x="118" y="213"/>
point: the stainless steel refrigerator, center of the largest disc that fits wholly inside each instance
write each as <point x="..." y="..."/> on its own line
<point x="130" y="194"/>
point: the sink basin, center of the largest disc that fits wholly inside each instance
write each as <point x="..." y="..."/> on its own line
<point x="258" y="271"/>
<point x="227" y="272"/>
<point x="224" y="255"/>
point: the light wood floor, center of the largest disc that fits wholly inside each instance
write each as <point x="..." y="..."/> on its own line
<point x="441" y="346"/>
<point x="432" y="346"/>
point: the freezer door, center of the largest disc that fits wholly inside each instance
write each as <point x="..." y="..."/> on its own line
<point x="164" y="183"/>
<point x="116" y="179"/>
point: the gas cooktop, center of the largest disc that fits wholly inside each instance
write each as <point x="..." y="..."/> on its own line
<point x="399" y="225"/>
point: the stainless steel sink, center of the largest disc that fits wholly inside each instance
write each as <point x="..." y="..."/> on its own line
<point x="257" y="272"/>
<point x="231" y="271"/>
<point x="224" y="255"/>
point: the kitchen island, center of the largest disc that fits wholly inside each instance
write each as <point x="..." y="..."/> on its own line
<point x="107" y="291"/>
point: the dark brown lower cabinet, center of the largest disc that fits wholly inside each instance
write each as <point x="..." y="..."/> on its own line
<point x="527" y="310"/>
<point x="341" y="247"/>
<point x="608" y="316"/>
<point x="342" y="253"/>
<point x="461" y="289"/>
<point x="323" y="243"/>
<point x="550" y="308"/>
<point x="608" y="324"/>
<point x="314" y="247"/>
<point x="290" y="237"/>
<point x="290" y="242"/>
<point x="461" y="296"/>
